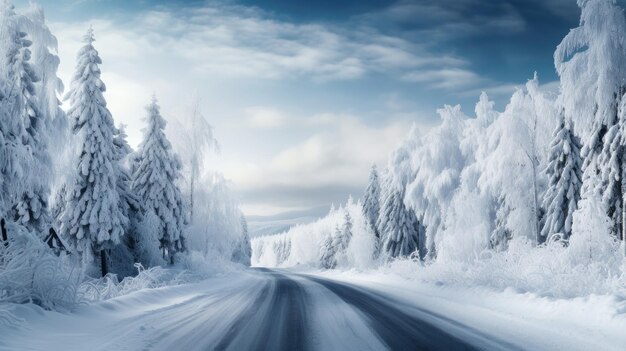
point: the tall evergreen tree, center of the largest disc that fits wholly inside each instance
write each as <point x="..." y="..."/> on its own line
<point x="501" y="234"/>
<point x="346" y="232"/>
<point x="12" y="152"/>
<point x="328" y="250"/>
<point x="30" y="206"/>
<point x="243" y="249"/>
<point x="92" y="217"/>
<point x="612" y="185"/>
<point x="154" y="182"/>
<point x="399" y="227"/>
<point x="371" y="201"/>
<point x="129" y="202"/>
<point x="591" y="63"/>
<point x="564" y="173"/>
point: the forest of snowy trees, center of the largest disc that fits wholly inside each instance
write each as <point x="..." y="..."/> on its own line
<point x="534" y="191"/>
<point x="77" y="202"/>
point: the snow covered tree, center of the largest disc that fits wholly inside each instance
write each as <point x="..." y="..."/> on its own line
<point x="336" y="253"/>
<point x="127" y="253"/>
<point x="564" y="172"/>
<point x="12" y="152"/>
<point x="371" y="201"/>
<point x="399" y="227"/>
<point x="437" y="164"/>
<point x="92" y="217"/>
<point x="612" y="182"/>
<point x="129" y="202"/>
<point x="346" y="232"/>
<point x="45" y="63"/>
<point x="282" y="250"/>
<point x="328" y="250"/>
<point x="30" y="207"/>
<point x="154" y="182"/>
<point x="243" y="249"/>
<point x="500" y="234"/>
<point x="193" y="138"/>
<point x="591" y="61"/>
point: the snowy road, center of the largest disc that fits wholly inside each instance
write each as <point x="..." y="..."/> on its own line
<point x="257" y="310"/>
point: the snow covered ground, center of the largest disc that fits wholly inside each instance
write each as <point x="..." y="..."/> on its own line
<point x="288" y="309"/>
<point x="525" y="320"/>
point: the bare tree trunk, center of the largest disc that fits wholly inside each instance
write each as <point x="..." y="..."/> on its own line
<point x="191" y="191"/>
<point x="536" y="204"/>
<point x="103" y="262"/>
<point x="5" y="237"/>
<point x="622" y="236"/>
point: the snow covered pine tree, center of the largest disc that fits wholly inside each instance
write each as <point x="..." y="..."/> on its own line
<point x="92" y="217"/>
<point x="154" y="182"/>
<point x="398" y="225"/>
<point x="30" y="208"/>
<point x="564" y="173"/>
<point x="371" y="203"/>
<point x="243" y="250"/>
<point x="328" y="251"/>
<point x="12" y="158"/>
<point x="591" y="62"/>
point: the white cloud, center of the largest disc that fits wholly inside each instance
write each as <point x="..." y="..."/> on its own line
<point x="447" y="78"/>
<point x="237" y="41"/>
<point x="265" y="117"/>
<point x="339" y="155"/>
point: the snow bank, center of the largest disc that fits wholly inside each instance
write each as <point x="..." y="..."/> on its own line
<point x="524" y="320"/>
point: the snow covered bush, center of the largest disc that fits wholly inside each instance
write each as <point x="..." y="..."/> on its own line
<point x="30" y="272"/>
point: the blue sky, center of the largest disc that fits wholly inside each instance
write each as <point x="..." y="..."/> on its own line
<point x="306" y="95"/>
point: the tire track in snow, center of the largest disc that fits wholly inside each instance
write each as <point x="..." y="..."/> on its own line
<point x="397" y="329"/>
<point x="277" y="320"/>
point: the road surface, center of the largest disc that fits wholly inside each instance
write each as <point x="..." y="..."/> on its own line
<point x="266" y="310"/>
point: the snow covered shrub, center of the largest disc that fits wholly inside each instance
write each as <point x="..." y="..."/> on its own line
<point x="591" y="242"/>
<point x="30" y="272"/>
<point x="108" y="287"/>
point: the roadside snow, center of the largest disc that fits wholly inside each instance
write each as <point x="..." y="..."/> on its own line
<point x="526" y="320"/>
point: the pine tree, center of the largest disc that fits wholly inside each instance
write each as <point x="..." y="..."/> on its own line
<point x="30" y="207"/>
<point x="129" y="202"/>
<point x="92" y="217"/>
<point x="612" y="184"/>
<point x="282" y="250"/>
<point x="346" y="232"/>
<point x="243" y="249"/>
<point x="328" y="250"/>
<point x="371" y="201"/>
<point x="12" y="152"/>
<point x="591" y="63"/>
<point x="501" y="234"/>
<point x="399" y="227"/>
<point x="154" y="182"/>
<point x="564" y="173"/>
